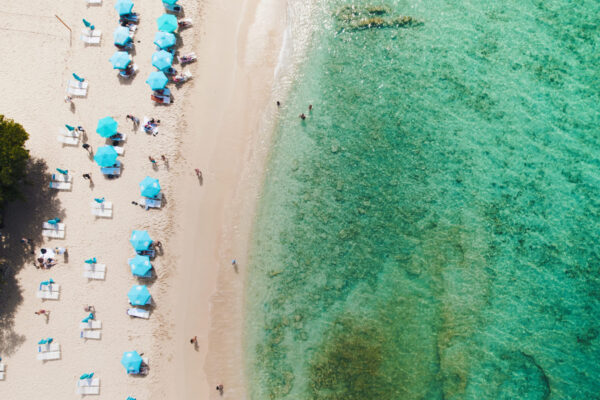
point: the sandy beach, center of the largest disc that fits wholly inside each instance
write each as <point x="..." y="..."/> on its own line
<point x="218" y="123"/>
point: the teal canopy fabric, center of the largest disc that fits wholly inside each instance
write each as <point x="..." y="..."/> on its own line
<point x="140" y="265"/>
<point x="121" y="36"/>
<point x="140" y="240"/>
<point x="120" y="60"/>
<point x="106" y="156"/>
<point x="124" y="7"/>
<point x="167" y="23"/>
<point x="164" y="40"/>
<point x="149" y="187"/>
<point x="157" y="80"/>
<point x="132" y="362"/>
<point x="107" y="127"/>
<point x="139" y="295"/>
<point x="162" y="60"/>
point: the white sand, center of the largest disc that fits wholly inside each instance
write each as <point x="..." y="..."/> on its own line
<point x="202" y="227"/>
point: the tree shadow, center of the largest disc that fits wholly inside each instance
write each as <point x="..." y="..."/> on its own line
<point x="23" y="219"/>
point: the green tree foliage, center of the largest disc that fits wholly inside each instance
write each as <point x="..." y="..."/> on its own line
<point x="13" y="160"/>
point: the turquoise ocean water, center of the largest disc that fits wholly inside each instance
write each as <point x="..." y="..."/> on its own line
<point x="432" y="229"/>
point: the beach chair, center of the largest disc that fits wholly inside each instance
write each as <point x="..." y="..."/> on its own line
<point x="56" y="227"/>
<point x="49" y="292"/>
<point x="94" y="2"/>
<point x="138" y="313"/>
<point x="91" y="32"/>
<point x="67" y="133"/>
<point x="94" y="271"/>
<point x="1" y="372"/>
<point x="74" y="83"/>
<point x="53" y="233"/>
<point x="88" y="386"/>
<point x="92" y="324"/>
<point x="60" y="185"/>
<point x="62" y="178"/>
<point x="76" y="92"/>
<point x="161" y="99"/>
<point x="150" y="203"/>
<point x="47" y="352"/>
<point x="114" y="170"/>
<point x="90" y="39"/>
<point x="102" y="209"/>
<point x="90" y="334"/>
<point x="175" y="8"/>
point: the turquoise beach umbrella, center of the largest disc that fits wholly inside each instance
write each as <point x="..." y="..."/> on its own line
<point x="62" y="171"/>
<point x="157" y="80"/>
<point x="164" y="40"/>
<point x="140" y="265"/>
<point x="106" y="156"/>
<point x="107" y="127"/>
<point x="139" y="295"/>
<point x="124" y="7"/>
<point x="149" y="187"/>
<point x="170" y="2"/>
<point x="132" y="362"/>
<point x="140" y="240"/>
<point x="69" y="127"/>
<point x="80" y="79"/>
<point x="120" y="60"/>
<point x="90" y="261"/>
<point x="121" y="36"/>
<point x="162" y="60"/>
<point x="167" y="23"/>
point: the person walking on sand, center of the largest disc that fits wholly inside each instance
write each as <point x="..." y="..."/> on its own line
<point x="310" y="108"/>
<point x="87" y="176"/>
<point x="152" y="160"/>
<point x="87" y="147"/>
<point x="42" y="312"/>
<point x="198" y="173"/>
<point x="220" y="389"/>
<point x="194" y="340"/>
<point x="162" y="157"/>
<point x="136" y="121"/>
<point x="302" y="116"/>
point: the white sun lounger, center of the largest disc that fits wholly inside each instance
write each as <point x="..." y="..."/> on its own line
<point x="68" y="133"/>
<point x="90" y="39"/>
<point x="94" y="271"/>
<point x="51" y="233"/>
<point x="71" y="141"/>
<point x="150" y="203"/>
<point x="139" y="313"/>
<point x="90" y="334"/>
<point x="94" y="2"/>
<point x="77" y="92"/>
<point x="54" y="227"/>
<point x="77" y="84"/>
<point x="62" y="178"/>
<point x="48" y="347"/>
<point x="92" y="324"/>
<point x="1" y="372"/>
<point x="49" y="355"/>
<point x="60" y="185"/>
<point x="102" y="209"/>
<point x="91" y="33"/>
<point x="49" y="292"/>
<point x="88" y="386"/>
<point x="120" y="150"/>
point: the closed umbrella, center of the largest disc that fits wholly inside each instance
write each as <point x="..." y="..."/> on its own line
<point x="107" y="127"/>
<point x="164" y="40"/>
<point x="149" y="187"/>
<point x="121" y="36"/>
<point x="157" y="80"/>
<point x="162" y="60"/>
<point x="140" y="240"/>
<point x="132" y="362"/>
<point x="106" y="156"/>
<point x="54" y="221"/>
<point x="124" y="7"/>
<point x="90" y="260"/>
<point x="80" y="79"/>
<point x="167" y="23"/>
<point x="140" y="265"/>
<point x="99" y="201"/>
<point x="88" y="24"/>
<point x="120" y="60"/>
<point x="69" y="127"/>
<point x="139" y="295"/>
<point x="63" y="171"/>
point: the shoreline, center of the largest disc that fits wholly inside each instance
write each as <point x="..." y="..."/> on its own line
<point x="216" y="224"/>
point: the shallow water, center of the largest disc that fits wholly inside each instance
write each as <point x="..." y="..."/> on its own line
<point x="431" y="229"/>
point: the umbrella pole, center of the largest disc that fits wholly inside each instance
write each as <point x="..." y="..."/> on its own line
<point x="70" y="31"/>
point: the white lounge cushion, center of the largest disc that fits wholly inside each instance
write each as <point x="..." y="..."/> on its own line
<point x="90" y="334"/>
<point x="94" y="271"/>
<point x="55" y="227"/>
<point x="50" y="355"/>
<point x="91" y="324"/>
<point x="60" y="185"/>
<point x="53" y="234"/>
<point x="139" y="313"/>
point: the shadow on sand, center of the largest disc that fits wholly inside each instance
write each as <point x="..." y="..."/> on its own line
<point x="23" y="219"/>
